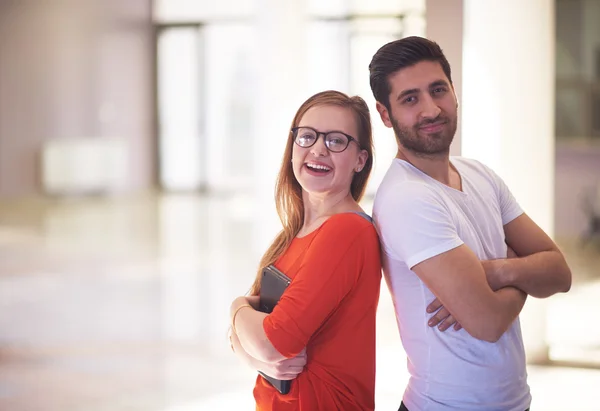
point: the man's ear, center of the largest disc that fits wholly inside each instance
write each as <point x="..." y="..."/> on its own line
<point x="455" y="96"/>
<point x="384" y="114"/>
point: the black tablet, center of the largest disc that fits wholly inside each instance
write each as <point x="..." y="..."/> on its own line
<point x="272" y="285"/>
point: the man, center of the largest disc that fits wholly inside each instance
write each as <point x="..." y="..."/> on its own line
<point x="445" y="224"/>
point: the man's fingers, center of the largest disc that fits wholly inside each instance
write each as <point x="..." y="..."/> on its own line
<point x="447" y="323"/>
<point x="457" y="326"/>
<point x="438" y="317"/>
<point x="434" y="306"/>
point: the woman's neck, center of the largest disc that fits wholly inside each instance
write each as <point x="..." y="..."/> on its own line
<point x="319" y="207"/>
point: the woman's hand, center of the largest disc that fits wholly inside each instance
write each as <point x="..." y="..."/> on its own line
<point x="254" y="301"/>
<point x="287" y="369"/>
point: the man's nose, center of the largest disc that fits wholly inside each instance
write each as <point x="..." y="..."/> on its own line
<point x="430" y="109"/>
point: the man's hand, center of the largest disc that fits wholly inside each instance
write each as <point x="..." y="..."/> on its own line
<point x="442" y="317"/>
<point x="510" y="253"/>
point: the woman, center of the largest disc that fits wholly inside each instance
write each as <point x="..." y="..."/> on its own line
<point x="321" y="334"/>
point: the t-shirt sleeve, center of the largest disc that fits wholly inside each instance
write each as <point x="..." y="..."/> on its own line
<point x="331" y="268"/>
<point x="414" y="224"/>
<point x="509" y="207"/>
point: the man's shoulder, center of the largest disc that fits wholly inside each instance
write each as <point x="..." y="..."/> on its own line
<point x="471" y="165"/>
<point x="479" y="172"/>
<point x="405" y="185"/>
<point x="405" y="192"/>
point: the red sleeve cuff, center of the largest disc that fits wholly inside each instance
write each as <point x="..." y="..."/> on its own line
<point x="284" y="339"/>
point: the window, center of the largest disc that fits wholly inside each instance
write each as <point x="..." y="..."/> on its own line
<point x="577" y="70"/>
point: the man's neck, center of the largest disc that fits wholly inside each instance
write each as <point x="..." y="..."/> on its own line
<point x="435" y="166"/>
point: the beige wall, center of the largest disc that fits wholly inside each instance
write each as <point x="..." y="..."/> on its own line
<point x="74" y="69"/>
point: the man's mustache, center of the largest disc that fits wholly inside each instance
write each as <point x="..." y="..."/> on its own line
<point x="432" y="122"/>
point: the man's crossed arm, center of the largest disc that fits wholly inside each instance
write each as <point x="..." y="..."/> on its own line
<point x="485" y="297"/>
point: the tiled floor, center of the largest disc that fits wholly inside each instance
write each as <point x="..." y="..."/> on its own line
<point x="121" y="304"/>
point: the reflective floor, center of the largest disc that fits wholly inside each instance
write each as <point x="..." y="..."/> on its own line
<point x="122" y="304"/>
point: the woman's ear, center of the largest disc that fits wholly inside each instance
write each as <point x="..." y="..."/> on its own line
<point x="363" y="156"/>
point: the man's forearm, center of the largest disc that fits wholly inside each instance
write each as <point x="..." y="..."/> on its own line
<point x="539" y="275"/>
<point x="509" y="302"/>
<point x="489" y="323"/>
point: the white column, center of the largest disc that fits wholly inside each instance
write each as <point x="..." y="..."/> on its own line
<point x="444" y="25"/>
<point x="508" y="113"/>
<point x="180" y="141"/>
<point x="281" y="39"/>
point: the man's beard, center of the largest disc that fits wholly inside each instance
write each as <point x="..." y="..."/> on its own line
<point x="426" y="144"/>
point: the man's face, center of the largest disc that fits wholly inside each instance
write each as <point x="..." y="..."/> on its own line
<point x="423" y="109"/>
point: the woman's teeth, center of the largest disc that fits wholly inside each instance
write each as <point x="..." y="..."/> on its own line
<point x="318" y="167"/>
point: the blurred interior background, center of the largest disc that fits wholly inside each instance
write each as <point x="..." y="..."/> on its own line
<point x="139" y="143"/>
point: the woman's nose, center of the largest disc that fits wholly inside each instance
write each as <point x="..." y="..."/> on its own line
<point x="319" y="149"/>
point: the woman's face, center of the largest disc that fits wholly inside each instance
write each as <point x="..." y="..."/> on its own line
<point x="318" y="169"/>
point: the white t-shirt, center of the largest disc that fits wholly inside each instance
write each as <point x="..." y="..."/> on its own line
<point x="417" y="218"/>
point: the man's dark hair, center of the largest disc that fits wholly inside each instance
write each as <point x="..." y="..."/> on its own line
<point x="400" y="54"/>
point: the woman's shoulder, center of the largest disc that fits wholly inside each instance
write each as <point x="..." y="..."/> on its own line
<point x="349" y="224"/>
<point x="350" y="232"/>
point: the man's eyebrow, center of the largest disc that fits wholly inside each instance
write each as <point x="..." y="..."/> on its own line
<point x="407" y="92"/>
<point x="438" y="83"/>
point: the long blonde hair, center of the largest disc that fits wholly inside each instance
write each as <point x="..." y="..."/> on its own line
<point x="288" y="192"/>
